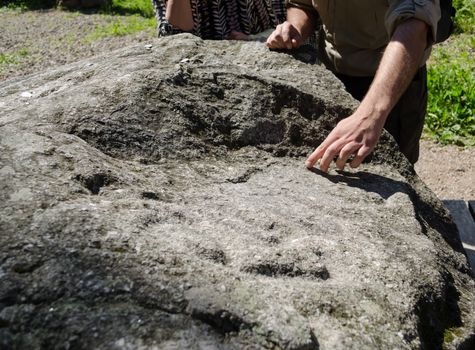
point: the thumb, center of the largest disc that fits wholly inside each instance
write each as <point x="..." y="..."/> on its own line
<point x="296" y="38"/>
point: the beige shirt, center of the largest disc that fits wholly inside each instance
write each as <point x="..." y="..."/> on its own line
<point x="357" y="31"/>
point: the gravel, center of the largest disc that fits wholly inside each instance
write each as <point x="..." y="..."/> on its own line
<point x="55" y="37"/>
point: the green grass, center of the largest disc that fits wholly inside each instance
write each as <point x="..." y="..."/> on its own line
<point x="142" y="8"/>
<point x="450" y="334"/>
<point x="464" y="19"/>
<point x="121" y="26"/>
<point x="131" y="16"/>
<point x="123" y="17"/>
<point x="13" y="57"/>
<point x="451" y="82"/>
<point x="24" y="5"/>
<point x="6" y="58"/>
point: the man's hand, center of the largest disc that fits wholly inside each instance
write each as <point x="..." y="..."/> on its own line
<point x="285" y="36"/>
<point x="294" y="31"/>
<point x="356" y="135"/>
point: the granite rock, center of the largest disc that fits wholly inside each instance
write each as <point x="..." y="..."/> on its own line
<point x="155" y="198"/>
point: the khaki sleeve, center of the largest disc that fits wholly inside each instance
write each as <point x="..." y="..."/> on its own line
<point x="303" y="4"/>
<point x="424" y="10"/>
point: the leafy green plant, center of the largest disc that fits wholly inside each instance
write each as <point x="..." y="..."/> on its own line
<point x="6" y="58"/>
<point x="451" y="83"/>
<point x="451" y="108"/>
<point x="465" y="16"/>
<point x="13" y="58"/>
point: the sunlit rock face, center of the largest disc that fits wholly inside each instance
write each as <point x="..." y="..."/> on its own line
<point x="156" y="198"/>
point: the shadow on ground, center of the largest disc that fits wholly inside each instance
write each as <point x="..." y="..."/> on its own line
<point x="463" y="216"/>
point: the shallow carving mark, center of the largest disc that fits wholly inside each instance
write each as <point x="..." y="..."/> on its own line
<point x="264" y="131"/>
<point x="200" y="111"/>
<point x="155" y="195"/>
<point x="95" y="182"/>
<point x="289" y="97"/>
<point x="272" y="239"/>
<point x="26" y="266"/>
<point x="244" y="177"/>
<point x="150" y="195"/>
<point x="213" y="254"/>
<point x="275" y="269"/>
<point x="221" y="320"/>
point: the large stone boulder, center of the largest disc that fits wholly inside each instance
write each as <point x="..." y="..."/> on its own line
<point x="156" y="198"/>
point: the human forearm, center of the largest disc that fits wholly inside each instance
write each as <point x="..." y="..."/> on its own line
<point x="359" y="133"/>
<point x="399" y="63"/>
<point x="179" y="15"/>
<point x="304" y="21"/>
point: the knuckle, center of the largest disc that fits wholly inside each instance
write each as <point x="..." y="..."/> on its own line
<point x="332" y="149"/>
<point x="345" y="152"/>
<point x="365" y="151"/>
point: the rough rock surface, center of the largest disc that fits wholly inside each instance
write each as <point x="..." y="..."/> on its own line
<point x="157" y="199"/>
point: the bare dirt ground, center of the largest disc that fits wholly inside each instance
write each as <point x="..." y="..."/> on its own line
<point x="448" y="170"/>
<point x="35" y="40"/>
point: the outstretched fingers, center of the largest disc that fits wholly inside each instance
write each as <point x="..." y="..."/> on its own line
<point x="314" y="157"/>
<point x="320" y="151"/>
<point x="345" y="153"/>
<point x="331" y="152"/>
<point x="363" y="152"/>
<point x="333" y="147"/>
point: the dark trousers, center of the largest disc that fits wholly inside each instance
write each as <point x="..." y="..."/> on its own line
<point x="406" y="120"/>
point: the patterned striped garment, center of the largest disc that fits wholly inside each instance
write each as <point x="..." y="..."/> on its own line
<point x="216" y="19"/>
